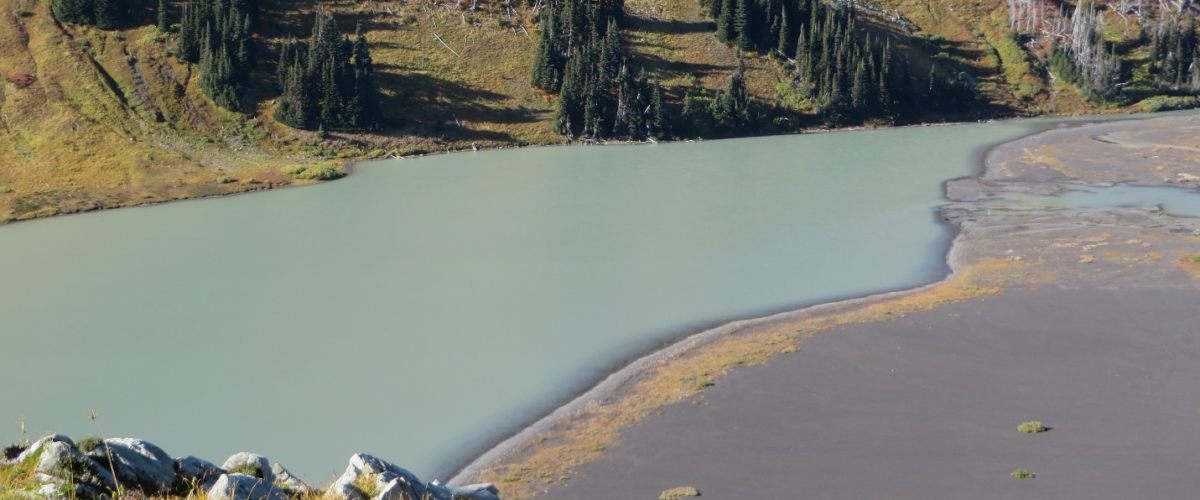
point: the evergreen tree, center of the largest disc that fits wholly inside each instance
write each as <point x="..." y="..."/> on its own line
<point x="657" y="125"/>
<point x="110" y="14"/>
<point x="726" y="30"/>
<point x="164" y="24"/>
<point x="73" y="11"/>
<point x="741" y="24"/>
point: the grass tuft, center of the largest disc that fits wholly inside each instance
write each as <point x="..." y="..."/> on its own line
<point x="1023" y="474"/>
<point x="89" y="444"/>
<point x="249" y="469"/>
<point x="225" y="179"/>
<point x="680" y="492"/>
<point x="1195" y="258"/>
<point x="320" y="173"/>
<point x="1031" y="428"/>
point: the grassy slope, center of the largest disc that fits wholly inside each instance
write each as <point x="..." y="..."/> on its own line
<point x="102" y="119"/>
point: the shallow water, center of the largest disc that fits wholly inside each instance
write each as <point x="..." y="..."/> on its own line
<point x="1172" y="200"/>
<point x="418" y="309"/>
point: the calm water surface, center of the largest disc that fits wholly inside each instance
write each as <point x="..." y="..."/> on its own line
<point x="419" y="308"/>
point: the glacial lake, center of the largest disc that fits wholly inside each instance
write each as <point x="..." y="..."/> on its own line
<point x="421" y="309"/>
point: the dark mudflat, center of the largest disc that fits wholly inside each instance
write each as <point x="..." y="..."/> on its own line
<point x="927" y="407"/>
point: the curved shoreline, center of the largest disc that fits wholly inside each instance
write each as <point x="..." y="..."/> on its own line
<point x="611" y="384"/>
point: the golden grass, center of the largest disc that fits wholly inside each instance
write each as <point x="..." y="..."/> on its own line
<point x="570" y="444"/>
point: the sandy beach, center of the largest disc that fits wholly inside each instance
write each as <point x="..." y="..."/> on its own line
<point x="1081" y="319"/>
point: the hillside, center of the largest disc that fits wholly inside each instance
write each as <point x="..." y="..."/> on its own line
<point x="99" y="119"/>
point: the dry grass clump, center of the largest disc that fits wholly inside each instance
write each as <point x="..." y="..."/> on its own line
<point x="680" y="492"/>
<point x="1031" y="428"/>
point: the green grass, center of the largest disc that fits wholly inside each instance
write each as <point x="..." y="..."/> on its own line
<point x="1031" y="428"/>
<point x="89" y="444"/>
<point x="680" y="492"/>
<point x="1195" y="258"/>
<point x="1023" y="474"/>
<point x="1168" y="103"/>
<point x="249" y="469"/>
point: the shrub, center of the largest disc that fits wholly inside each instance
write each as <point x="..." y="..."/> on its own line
<point x="13" y="450"/>
<point x="293" y="169"/>
<point x="411" y="151"/>
<point x="1168" y="103"/>
<point x="89" y="444"/>
<point x="1023" y="474"/>
<point x="1195" y="258"/>
<point x="22" y="13"/>
<point x="1031" y="428"/>
<point x="322" y="173"/>
<point x="680" y="492"/>
<point x="225" y="179"/>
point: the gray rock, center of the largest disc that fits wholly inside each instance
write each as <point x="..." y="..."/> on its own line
<point x="197" y="472"/>
<point x="243" y="487"/>
<point x="284" y="478"/>
<point x="37" y="445"/>
<point x="392" y="482"/>
<point x="244" y="458"/>
<point x="139" y="464"/>
<point x="481" y="491"/>
<point x="61" y="466"/>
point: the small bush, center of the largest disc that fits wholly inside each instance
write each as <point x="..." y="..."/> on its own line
<point x="1023" y="474"/>
<point x="680" y="492"/>
<point x="225" y="179"/>
<point x="5" y="189"/>
<point x="322" y="173"/>
<point x="1168" y="103"/>
<point x="411" y="151"/>
<point x="89" y="444"/>
<point x="293" y="169"/>
<point x="1031" y="428"/>
<point x="1195" y="258"/>
<point x="13" y="450"/>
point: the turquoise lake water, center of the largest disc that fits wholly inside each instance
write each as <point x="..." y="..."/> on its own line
<point x="420" y="309"/>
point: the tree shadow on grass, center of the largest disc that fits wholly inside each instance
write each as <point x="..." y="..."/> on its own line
<point x="436" y="105"/>
<point x="669" y="26"/>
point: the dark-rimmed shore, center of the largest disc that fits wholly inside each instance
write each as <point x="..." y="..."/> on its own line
<point x="1008" y="251"/>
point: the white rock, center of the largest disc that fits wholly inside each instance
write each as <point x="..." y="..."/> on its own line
<point x="243" y="487"/>
<point x="284" y="477"/>
<point x="244" y="458"/>
<point x="481" y="491"/>
<point x="37" y="445"/>
<point x="392" y="482"/>
<point x="139" y="464"/>
<point x="197" y="471"/>
<point x="60" y="463"/>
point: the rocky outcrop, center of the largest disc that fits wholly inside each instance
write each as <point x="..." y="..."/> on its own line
<point x="284" y="478"/>
<point x="242" y="487"/>
<point x="137" y="466"/>
<point x="369" y="478"/>
<point x="250" y="464"/>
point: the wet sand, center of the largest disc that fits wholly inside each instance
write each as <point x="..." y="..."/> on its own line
<point x="1085" y="320"/>
<point x="927" y="407"/>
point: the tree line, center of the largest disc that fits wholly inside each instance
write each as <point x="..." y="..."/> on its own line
<point x="104" y="14"/>
<point x="579" y="58"/>
<point x="216" y="35"/>
<point x="327" y="83"/>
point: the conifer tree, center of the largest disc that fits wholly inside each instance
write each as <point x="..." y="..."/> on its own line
<point x="110" y="14"/>
<point x="164" y="23"/>
<point x="73" y="11"/>
<point x="741" y="24"/>
<point x="726" y="31"/>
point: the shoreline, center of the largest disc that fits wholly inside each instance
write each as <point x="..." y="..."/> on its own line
<point x="348" y="166"/>
<point x="616" y="383"/>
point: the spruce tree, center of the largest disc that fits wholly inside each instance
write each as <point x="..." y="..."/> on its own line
<point x="726" y="31"/>
<point x="164" y="23"/>
<point x="110" y="14"/>
<point x="741" y="24"/>
<point x="73" y="11"/>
